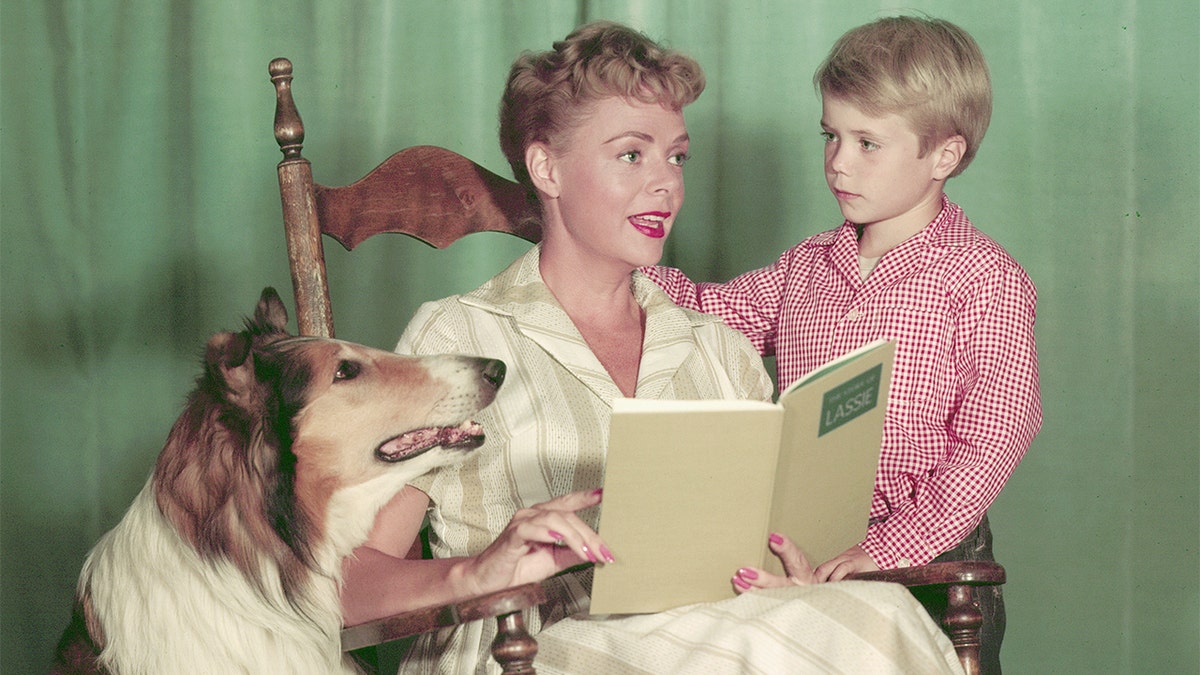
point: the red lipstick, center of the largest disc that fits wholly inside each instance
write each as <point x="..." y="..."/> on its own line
<point x="651" y="223"/>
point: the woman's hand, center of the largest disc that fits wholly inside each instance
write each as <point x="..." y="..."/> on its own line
<point x="795" y="566"/>
<point x="852" y="560"/>
<point x="538" y="542"/>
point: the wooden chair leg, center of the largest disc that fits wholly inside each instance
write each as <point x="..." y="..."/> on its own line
<point x="514" y="648"/>
<point x="962" y="621"/>
<point x="947" y="591"/>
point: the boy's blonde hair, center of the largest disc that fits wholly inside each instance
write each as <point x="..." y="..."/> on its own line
<point x="548" y="92"/>
<point x="929" y="71"/>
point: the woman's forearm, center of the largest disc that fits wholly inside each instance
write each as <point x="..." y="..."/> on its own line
<point x="376" y="585"/>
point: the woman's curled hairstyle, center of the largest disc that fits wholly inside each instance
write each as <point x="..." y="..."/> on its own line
<point x="548" y="91"/>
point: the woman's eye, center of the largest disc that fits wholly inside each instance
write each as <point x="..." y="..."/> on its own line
<point x="680" y="159"/>
<point x="828" y="136"/>
<point x="868" y="145"/>
<point x="631" y="156"/>
<point x="347" y="370"/>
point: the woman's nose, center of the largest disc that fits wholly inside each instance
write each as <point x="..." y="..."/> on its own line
<point x="665" y="177"/>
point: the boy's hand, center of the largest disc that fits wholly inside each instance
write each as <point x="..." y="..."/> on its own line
<point x="797" y="570"/>
<point x="852" y="560"/>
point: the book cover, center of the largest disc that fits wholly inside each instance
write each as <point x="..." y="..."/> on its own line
<point x="692" y="488"/>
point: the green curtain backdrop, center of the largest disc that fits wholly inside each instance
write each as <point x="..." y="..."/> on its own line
<point x="140" y="214"/>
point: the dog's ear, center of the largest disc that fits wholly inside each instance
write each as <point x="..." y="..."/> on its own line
<point x="227" y="358"/>
<point x="270" y="316"/>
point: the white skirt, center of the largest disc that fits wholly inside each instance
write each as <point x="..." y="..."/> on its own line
<point x="842" y="627"/>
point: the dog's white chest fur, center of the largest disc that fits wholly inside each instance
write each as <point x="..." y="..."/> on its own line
<point x="166" y="610"/>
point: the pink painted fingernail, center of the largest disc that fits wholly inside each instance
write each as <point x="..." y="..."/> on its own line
<point x="747" y="573"/>
<point x="597" y="492"/>
<point x="737" y="581"/>
<point x="554" y="535"/>
<point x="776" y="538"/>
<point x="606" y="554"/>
<point x="590" y="556"/>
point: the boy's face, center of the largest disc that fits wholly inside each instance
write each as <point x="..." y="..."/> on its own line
<point x="872" y="167"/>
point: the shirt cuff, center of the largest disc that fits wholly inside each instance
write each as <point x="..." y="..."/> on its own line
<point x="890" y="544"/>
<point x="882" y="556"/>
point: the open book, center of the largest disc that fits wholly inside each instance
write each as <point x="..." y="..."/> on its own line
<point x="693" y="488"/>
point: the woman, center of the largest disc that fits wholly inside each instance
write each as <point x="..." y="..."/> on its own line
<point x="595" y="130"/>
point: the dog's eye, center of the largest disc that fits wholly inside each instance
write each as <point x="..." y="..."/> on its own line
<point x="347" y="370"/>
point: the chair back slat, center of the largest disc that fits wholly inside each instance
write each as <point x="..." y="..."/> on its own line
<point x="429" y="193"/>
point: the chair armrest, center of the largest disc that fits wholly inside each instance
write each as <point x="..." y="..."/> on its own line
<point x="498" y="604"/>
<point x="949" y="587"/>
<point x="968" y="573"/>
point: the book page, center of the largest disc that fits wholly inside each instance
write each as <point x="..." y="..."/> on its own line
<point x="832" y="434"/>
<point x="686" y="500"/>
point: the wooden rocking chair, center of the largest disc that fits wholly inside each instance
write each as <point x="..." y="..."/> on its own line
<point x="438" y="196"/>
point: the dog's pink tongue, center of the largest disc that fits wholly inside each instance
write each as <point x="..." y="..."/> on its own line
<point x="467" y="434"/>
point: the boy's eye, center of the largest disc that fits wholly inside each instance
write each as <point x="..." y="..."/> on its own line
<point x="680" y="159"/>
<point x="828" y="136"/>
<point x="868" y="145"/>
<point x="630" y="156"/>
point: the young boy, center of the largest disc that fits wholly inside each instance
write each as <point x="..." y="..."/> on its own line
<point x="905" y="104"/>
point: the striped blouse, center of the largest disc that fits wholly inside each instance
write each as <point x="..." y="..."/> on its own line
<point x="548" y="428"/>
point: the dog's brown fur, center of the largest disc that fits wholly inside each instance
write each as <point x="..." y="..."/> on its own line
<point x="270" y="476"/>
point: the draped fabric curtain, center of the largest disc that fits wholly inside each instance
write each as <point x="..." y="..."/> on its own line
<point x="140" y="214"/>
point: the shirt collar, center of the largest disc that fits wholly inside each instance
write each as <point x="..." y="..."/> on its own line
<point x="949" y="229"/>
<point x="519" y="292"/>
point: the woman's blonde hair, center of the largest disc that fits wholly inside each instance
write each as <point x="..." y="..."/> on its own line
<point x="929" y="71"/>
<point x="548" y="92"/>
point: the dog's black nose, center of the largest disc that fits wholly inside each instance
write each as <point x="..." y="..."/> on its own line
<point x="493" y="372"/>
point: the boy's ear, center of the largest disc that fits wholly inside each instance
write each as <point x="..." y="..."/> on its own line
<point x="949" y="154"/>
<point x="542" y="169"/>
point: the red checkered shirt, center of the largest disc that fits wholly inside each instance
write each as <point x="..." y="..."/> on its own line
<point x="964" y="403"/>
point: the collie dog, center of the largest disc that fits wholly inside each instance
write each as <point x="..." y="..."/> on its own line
<point x="229" y="560"/>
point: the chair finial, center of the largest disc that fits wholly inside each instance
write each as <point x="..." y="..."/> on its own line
<point x="289" y="130"/>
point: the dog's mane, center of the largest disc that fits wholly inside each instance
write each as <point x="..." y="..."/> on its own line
<point x="229" y="559"/>
<point x="226" y="475"/>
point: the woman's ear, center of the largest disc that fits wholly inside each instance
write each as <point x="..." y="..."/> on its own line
<point x="949" y="154"/>
<point x="542" y="169"/>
